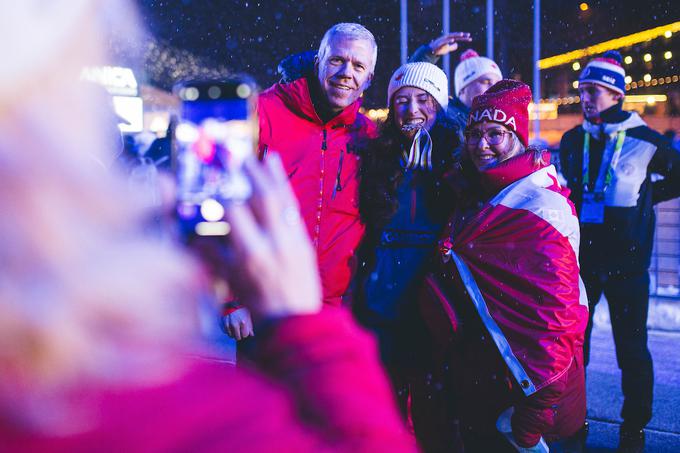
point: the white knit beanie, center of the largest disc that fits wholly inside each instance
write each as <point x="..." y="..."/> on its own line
<point x="472" y="66"/>
<point x="425" y="76"/>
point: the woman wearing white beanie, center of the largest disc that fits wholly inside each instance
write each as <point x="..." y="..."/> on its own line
<point x="405" y="206"/>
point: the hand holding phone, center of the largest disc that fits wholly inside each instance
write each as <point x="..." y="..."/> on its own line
<point x="216" y="134"/>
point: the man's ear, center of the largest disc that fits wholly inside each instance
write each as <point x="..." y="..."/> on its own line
<point x="615" y="95"/>
<point x="369" y="81"/>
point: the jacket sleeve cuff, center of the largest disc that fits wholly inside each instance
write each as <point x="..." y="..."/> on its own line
<point x="536" y="414"/>
<point x="230" y="307"/>
<point x="424" y="53"/>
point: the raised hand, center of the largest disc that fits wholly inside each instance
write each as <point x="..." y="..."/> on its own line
<point x="449" y="42"/>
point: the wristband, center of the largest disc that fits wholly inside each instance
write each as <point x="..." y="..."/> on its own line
<point x="230" y="307"/>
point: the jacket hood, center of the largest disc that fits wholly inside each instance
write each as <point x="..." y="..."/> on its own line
<point x="610" y="129"/>
<point x="296" y="66"/>
<point x="297" y="99"/>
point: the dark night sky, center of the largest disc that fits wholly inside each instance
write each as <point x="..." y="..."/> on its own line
<point x="252" y="36"/>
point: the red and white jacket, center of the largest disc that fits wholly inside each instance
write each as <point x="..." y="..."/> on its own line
<point x="516" y="261"/>
<point x="322" y="161"/>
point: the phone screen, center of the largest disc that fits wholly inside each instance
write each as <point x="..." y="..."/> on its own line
<point x="216" y="133"/>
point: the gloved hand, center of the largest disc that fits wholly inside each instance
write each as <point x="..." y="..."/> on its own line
<point x="504" y="426"/>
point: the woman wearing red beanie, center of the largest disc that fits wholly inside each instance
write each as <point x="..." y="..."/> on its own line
<point x="509" y="288"/>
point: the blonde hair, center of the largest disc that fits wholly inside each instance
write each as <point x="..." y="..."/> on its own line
<point x="519" y="148"/>
<point x="85" y="295"/>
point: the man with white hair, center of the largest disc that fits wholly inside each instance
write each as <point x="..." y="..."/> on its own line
<point x="314" y="125"/>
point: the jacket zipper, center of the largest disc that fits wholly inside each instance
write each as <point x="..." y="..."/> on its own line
<point x="324" y="147"/>
<point x="338" y="183"/>
<point x="414" y="204"/>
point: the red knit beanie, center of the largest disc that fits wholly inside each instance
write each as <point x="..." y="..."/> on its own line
<point x="506" y="103"/>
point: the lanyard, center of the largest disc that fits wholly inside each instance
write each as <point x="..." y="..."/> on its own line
<point x="621" y="136"/>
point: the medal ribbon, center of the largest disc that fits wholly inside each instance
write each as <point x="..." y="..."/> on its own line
<point x="420" y="154"/>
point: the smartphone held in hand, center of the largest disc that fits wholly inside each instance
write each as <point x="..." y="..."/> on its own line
<point x="216" y="134"/>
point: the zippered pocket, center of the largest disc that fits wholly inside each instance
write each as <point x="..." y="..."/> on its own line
<point x="338" y="180"/>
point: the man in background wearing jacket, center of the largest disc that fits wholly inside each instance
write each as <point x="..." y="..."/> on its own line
<point x="608" y="162"/>
<point x="314" y="125"/>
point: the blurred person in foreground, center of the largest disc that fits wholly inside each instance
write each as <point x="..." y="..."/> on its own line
<point x="314" y="125"/>
<point x="608" y="162"/>
<point x="512" y="307"/>
<point x="405" y="205"/>
<point x="96" y="319"/>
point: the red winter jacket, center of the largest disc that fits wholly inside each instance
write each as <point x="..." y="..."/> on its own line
<point x="322" y="162"/>
<point x="312" y="358"/>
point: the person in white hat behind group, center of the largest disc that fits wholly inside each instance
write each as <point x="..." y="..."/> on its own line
<point x="404" y="206"/>
<point x="473" y="75"/>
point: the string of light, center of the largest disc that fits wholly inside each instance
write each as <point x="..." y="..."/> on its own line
<point x="665" y="31"/>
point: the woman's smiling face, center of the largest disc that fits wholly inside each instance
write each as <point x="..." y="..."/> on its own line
<point x="413" y="109"/>
<point x="488" y="144"/>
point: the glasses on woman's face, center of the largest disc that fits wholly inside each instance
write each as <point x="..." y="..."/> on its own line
<point x="492" y="136"/>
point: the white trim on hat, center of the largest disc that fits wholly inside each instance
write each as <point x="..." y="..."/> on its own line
<point x="607" y="66"/>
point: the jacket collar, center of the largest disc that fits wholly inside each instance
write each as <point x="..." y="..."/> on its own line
<point x="296" y="97"/>
<point x="608" y="130"/>
<point x="614" y="114"/>
<point x="502" y="175"/>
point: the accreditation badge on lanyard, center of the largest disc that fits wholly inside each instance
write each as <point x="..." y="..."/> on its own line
<point x="592" y="208"/>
